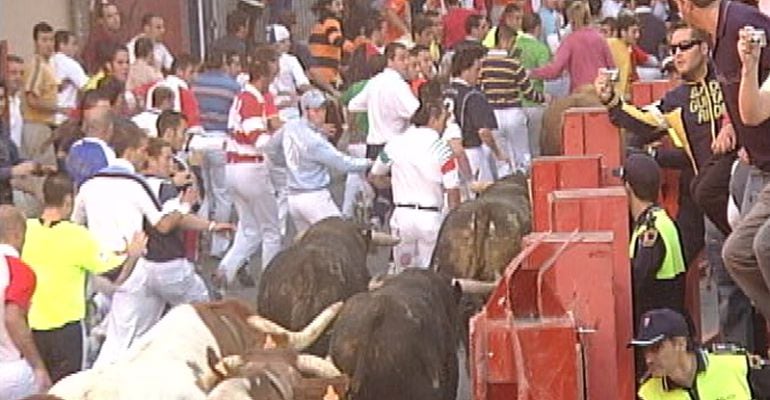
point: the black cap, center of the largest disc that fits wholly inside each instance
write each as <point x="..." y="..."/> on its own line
<point x="656" y="325"/>
<point x="642" y="173"/>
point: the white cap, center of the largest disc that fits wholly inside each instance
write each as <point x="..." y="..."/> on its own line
<point x="277" y="33"/>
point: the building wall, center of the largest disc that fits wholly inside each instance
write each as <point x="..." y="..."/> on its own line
<point x="17" y="17"/>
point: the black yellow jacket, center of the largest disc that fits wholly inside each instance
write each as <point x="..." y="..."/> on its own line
<point x="690" y="114"/>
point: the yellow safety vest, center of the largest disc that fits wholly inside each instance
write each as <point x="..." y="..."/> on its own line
<point x="725" y="378"/>
<point x="673" y="263"/>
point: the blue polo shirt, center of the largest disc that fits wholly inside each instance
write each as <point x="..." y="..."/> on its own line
<point x="733" y="16"/>
<point x="215" y="91"/>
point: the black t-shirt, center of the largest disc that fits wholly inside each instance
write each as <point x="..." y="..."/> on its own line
<point x="733" y="16"/>
<point x="472" y="112"/>
<point x="164" y="247"/>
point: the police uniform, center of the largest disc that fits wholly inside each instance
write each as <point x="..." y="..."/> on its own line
<point x="248" y="180"/>
<point x="657" y="262"/>
<point x="422" y="167"/>
<point x="718" y="376"/>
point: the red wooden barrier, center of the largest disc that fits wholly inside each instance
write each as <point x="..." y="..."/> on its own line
<point x="524" y="343"/>
<point x="552" y="173"/>
<point x="605" y="209"/>
<point x="588" y="130"/>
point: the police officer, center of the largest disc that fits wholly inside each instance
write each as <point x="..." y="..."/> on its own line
<point x="679" y="369"/>
<point x="656" y="254"/>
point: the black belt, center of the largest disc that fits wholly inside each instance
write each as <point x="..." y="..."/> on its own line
<point x="417" y="207"/>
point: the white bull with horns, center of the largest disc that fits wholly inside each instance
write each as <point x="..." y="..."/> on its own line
<point x="177" y="357"/>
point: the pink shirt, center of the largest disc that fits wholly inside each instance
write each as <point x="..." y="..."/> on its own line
<point x="581" y="53"/>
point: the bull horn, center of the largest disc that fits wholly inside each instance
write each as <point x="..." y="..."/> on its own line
<point x="316" y="366"/>
<point x="384" y="239"/>
<point x="474" y="286"/>
<point x="478" y="187"/>
<point x="223" y="369"/>
<point x="299" y="340"/>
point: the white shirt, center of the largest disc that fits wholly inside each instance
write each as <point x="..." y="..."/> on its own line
<point x="389" y="103"/>
<point x="421" y="166"/>
<point x="286" y="85"/>
<point x="611" y="8"/>
<point x="16" y="119"/>
<point x="114" y="208"/>
<point x="148" y="121"/>
<point x="162" y="56"/>
<point x="172" y="82"/>
<point x="69" y="70"/>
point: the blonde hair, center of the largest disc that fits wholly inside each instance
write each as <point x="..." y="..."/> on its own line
<point x="579" y="15"/>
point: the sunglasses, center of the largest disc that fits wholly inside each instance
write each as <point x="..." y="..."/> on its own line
<point x="683" y="46"/>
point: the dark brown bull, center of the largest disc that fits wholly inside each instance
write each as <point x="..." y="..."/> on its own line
<point x="480" y="237"/>
<point x="399" y="341"/>
<point x="328" y="264"/>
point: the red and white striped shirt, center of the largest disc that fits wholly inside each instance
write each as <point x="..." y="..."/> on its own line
<point x="247" y="122"/>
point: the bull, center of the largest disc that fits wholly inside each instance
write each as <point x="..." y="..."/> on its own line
<point x="399" y="341"/>
<point x="174" y="359"/>
<point x="479" y="238"/>
<point x="326" y="265"/>
<point x="553" y="118"/>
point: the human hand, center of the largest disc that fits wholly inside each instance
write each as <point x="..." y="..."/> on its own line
<point x="603" y="87"/>
<point x="725" y="140"/>
<point x="223" y="227"/>
<point x="181" y="179"/>
<point x="138" y="244"/>
<point x="25" y="168"/>
<point x="749" y="51"/>
<point x="743" y="155"/>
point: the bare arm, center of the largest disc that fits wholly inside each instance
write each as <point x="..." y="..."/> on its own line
<point x="39" y="104"/>
<point x="21" y="336"/>
<point x="753" y="102"/>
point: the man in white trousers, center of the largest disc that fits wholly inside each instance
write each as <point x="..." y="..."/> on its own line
<point x="423" y="170"/>
<point x="309" y="155"/>
<point x="248" y="175"/>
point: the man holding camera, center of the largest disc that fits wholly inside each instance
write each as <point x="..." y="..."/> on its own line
<point x="747" y="250"/>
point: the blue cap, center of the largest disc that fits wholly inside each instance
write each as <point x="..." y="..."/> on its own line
<point x="656" y="325"/>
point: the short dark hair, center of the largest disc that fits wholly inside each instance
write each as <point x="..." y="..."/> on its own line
<point x="391" y="49"/>
<point x="60" y="38"/>
<point x="155" y="146"/>
<point x="625" y="21"/>
<point x="510" y="8"/>
<point x="415" y="51"/>
<point x="703" y="3"/>
<point x="169" y="119"/>
<point x="41" y="27"/>
<point x="465" y="57"/>
<point x="236" y="20"/>
<point x="91" y="97"/>
<point x="473" y="21"/>
<point x="126" y="135"/>
<point x="421" y="24"/>
<point x="143" y="47"/>
<point x="530" y="22"/>
<point x="99" y="10"/>
<point x="13" y="58"/>
<point x="697" y="33"/>
<point x="182" y="62"/>
<point x="113" y="88"/>
<point x="107" y="51"/>
<point x="56" y="188"/>
<point x="258" y="69"/>
<point x="147" y="18"/>
<point x="265" y="54"/>
<point x="161" y="94"/>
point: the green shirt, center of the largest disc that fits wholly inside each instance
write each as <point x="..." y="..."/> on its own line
<point x="533" y="54"/>
<point x="359" y="121"/>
